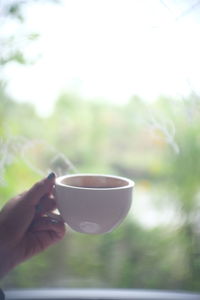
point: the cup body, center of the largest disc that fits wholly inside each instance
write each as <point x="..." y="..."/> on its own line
<point x="93" y="203"/>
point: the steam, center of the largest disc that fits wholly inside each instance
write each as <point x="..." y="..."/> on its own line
<point x="43" y="158"/>
<point x="38" y="155"/>
<point x="60" y="164"/>
<point x="9" y="149"/>
<point x="167" y="127"/>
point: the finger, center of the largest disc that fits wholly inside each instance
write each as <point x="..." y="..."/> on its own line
<point x="52" y="223"/>
<point x="44" y="232"/>
<point x="46" y="204"/>
<point x="21" y="195"/>
<point x="55" y="216"/>
<point x="41" y="188"/>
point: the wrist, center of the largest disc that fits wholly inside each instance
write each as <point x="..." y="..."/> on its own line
<point x="6" y="263"/>
<point x="6" y="251"/>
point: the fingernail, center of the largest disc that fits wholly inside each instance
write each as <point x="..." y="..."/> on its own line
<point x="51" y="175"/>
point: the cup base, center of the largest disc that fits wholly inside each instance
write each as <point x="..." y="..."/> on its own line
<point x="89" y="227"/>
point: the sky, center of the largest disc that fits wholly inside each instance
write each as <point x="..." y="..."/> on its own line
<point x="107" y="49"/>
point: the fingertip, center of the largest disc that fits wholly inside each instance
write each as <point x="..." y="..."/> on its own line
<point x="41" y="188"/>
<point x="49" y="224"/>
<point x="51" y="176"/>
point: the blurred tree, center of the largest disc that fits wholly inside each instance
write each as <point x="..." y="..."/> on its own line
<point x="13" y="42"/>
<point x="181" y="178"/>
<point x="157" y="144"/>
<point x="99" y="137"/>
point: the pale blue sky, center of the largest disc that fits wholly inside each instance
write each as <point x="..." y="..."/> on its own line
<point x="109" y="49"/>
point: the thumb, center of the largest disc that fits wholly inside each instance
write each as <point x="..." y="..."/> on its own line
<point x="40" y="189"/>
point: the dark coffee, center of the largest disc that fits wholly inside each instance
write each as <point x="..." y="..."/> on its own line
<point x="94" y="182"/>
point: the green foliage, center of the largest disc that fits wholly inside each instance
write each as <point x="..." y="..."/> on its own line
<point x="156" y="145"/>
<point x="13" y="44"/>
<point x="134" y="141"/>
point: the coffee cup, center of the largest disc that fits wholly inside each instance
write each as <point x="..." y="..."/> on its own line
<point x="93" y="203"/>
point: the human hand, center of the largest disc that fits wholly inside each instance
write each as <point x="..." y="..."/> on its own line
<point x="25" y="226"/>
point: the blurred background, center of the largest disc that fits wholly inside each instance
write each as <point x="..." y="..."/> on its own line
<point x="107" y="87"/>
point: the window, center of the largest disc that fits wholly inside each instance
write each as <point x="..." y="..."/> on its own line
<point x="107" y="87"/>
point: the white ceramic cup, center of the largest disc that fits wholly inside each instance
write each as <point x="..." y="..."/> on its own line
<point x="93" y="203"/>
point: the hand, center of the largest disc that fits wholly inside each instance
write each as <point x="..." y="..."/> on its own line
<point x="25" y="226"/>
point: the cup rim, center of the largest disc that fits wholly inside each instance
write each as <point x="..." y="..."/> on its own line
<point x="130" y="183"/>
